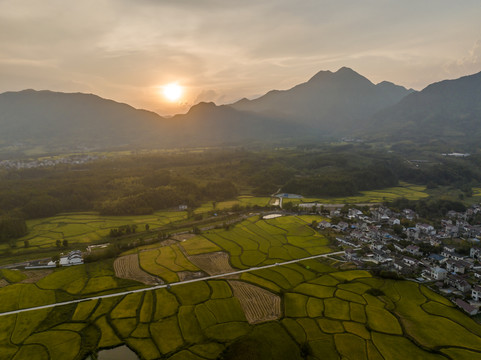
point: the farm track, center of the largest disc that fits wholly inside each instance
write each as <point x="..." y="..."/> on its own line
<point x="259" y="305"/>
<point x="127" y="267"/>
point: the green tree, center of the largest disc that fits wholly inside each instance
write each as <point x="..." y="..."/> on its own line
<point x="65" y="243"/>
<point x="58" y="243"/>
<point x="26" y="243"/>
<point x="11" y="228"/>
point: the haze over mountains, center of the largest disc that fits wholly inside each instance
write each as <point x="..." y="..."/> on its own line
<point x="329" y="101"/>
<point x="449" y="110"/>
<point x="330" y="104"/>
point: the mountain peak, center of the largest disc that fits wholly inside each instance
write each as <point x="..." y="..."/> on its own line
<point x="346" y="70"/>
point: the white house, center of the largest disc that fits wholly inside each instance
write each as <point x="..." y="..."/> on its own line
<point x="72" y="258"/>
<point x="476" y="293"/>
<point x="438" y="273"/>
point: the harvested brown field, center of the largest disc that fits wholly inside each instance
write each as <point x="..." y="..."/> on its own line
<point x="189" y="275"/>
<point x="259" y="305"/>
<point x="35" y="275"/>
<point x="212" y="263"/>
<point x="181" y="237"/>
<point x="3" y="283"/>
<point x="168" y="242"/>
<point x="127" y="267"/>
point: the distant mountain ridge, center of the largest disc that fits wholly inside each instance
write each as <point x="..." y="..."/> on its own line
<point x="333" y="102"/>
<point x="72" y="121"/>
<point x="448" y="110"/>
<point x="329" y="105"/>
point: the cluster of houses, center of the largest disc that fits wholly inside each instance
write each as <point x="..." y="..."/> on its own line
<point x="43" y="162"/>
<point x="378" y="238"/>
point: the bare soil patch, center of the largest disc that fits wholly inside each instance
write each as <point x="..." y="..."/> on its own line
<point x="127" y="267"/>
<point x="168" y="242"/>
<point x="181" y="237"/>
<point x="189" y="275"/>
<point x="35" y="275"/>
<point x="213" y="263"/>
<point x="259" y="305"/>
<point x="3" y="283"/>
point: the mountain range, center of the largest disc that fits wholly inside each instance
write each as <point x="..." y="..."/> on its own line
<point x="329" y="101"/>
<point x="329" y="105"/>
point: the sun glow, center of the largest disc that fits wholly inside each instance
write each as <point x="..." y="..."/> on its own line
<point x="172" y="92"/>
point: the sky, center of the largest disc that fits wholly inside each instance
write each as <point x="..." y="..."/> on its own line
<point x="224" y="50"/>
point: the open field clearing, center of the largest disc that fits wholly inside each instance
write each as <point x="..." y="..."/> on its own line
<point x="259" y="305"/>
<point x="80" y="228"/>
<point x="404" y="190"/>
<point x="127" y="267"/>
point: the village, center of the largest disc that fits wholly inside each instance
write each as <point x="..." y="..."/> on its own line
<point x="445" y="256"/>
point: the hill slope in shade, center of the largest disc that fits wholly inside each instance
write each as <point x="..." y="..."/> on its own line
<point x="70" y="120"/>
<point x="449" y="110"/>
<point x="64" y="122"/>
<point x="335" y="102"/>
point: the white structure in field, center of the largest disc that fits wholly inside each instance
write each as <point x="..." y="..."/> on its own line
<point x="72" y="258"/>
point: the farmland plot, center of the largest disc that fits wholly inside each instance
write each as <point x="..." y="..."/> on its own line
<point x="213" y="263"/>
<point x="259" y="305"/>
<point x="127" y="267"/>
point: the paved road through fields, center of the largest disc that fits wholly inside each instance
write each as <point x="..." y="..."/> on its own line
<point x="169" y="285"/>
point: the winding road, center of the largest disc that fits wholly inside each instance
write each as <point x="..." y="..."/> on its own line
<point x="169" y="285"/>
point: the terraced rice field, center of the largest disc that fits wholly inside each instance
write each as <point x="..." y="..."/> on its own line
<point x="165" y="262"/>
<point x="256" y="242"/>
<point x="308" y="309"/>
<point x="127" y="267"/>
<point x="83" y="228"/>
<point x="322" y="313"/>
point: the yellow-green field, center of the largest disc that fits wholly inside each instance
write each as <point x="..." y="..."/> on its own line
<point x="327" y="314"/>
<point x="404" y="190"/>
<point x="255" y="241"/>
<point x="79" y="228"/>
<point x="241" y="201"/>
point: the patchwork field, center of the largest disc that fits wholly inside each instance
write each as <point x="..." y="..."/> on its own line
<point x="127" y="267"/>
<point x="321" y="313"/>
<point x="305" y="310"/>
<point x="255" y="242"/>
<point x="84" y="228"/>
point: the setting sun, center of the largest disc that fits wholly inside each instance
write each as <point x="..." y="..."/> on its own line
<point x="172" y="92"/>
